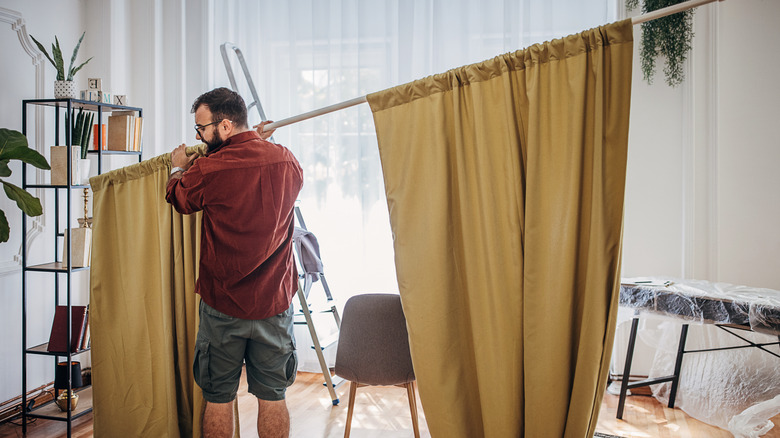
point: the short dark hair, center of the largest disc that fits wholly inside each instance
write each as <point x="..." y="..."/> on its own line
<point x="223" y="103"/>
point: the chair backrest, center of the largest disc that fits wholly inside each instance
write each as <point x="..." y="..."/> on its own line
<point x="373" y="344"/>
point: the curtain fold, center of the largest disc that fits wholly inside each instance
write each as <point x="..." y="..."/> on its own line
<point x="505" y="183"/>
<point x="143" y="311"/>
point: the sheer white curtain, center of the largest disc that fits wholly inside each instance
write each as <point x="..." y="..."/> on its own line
<point x="308" y="54"/>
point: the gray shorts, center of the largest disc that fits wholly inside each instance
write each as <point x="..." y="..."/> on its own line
<point x="224" y="343"/>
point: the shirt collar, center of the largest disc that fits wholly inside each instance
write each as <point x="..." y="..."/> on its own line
<point x="238" y="138"/>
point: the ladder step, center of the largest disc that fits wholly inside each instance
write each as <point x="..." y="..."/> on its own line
<point x="322" y="310"/>
<point x="327" y="342"/>
<point x="336" y="381"/>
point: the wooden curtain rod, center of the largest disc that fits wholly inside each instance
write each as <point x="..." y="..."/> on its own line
<point x="669" y="10"/>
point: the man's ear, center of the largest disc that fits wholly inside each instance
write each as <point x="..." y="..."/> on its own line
<point x="227" y="128"/>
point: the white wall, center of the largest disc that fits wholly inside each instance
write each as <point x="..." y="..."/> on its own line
<point x="702" y="196"/>
<point x="17" y="76"/>
<point x="748" y="144"/>
<point x="154" y="52"/>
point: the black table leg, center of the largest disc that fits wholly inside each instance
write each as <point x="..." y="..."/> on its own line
<point x="627" y="367"/>
<point x="678" y="364"/>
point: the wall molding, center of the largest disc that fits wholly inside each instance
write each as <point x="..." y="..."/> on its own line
<point x="699" y="151"/>
<point x="688" y="158"/>
<point x="35" y="224"/>
<point x="712" y="158"/>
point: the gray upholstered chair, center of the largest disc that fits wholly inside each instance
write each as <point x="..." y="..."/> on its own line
<point x="373" y="348"/>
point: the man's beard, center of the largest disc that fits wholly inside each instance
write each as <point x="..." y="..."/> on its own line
<point x="215" y="142"/>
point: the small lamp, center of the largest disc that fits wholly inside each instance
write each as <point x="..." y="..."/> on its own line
<point x="61" y="382"/>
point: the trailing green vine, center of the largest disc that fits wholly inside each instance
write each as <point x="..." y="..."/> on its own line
<point x="668" y="36"/>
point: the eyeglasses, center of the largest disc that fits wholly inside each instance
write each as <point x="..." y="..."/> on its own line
<point x="199" y="128"/>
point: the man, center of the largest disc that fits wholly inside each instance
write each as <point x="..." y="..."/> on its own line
<point x="246" y="188"/>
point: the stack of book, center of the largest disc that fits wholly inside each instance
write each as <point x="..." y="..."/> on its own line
<point x="124" y="131"/>
<point x="80" y="338"/>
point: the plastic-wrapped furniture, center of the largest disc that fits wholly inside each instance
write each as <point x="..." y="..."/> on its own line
<point x="736" y="390"/>
<point x="373" y="349"/>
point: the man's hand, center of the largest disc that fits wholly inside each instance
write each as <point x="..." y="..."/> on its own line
<point x="267" y="134"/>
<point x="179" y="157"/>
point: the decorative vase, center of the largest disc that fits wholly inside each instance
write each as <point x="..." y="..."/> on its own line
<point x="64" y="90"/>
<point x="62" y="401"/>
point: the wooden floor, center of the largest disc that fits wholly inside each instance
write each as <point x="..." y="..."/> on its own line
<point x="383" y="412"/>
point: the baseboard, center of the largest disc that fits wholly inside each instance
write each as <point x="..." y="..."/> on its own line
<point x="15" y="410"/>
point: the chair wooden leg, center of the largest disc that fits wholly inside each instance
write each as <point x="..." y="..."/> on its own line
<point x="352" y="392"/>
<point x="410" y="390"/>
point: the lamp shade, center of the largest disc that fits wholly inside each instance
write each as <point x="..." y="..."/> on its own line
<point x="61" y="375"/>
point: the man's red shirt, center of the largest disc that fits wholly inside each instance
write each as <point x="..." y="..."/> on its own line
<point x="247" y="190"/>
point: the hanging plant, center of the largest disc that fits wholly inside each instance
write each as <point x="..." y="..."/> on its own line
<point x="668" y="36"/>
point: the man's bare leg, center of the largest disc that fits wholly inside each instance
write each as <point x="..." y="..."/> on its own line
<point x="273" y="419"/>
<point x="218" y="420"/>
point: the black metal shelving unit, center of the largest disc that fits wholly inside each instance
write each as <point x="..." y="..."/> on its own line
<point x="50" y="411"/>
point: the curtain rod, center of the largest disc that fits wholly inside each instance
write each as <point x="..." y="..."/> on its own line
<point x="669" y="10"/>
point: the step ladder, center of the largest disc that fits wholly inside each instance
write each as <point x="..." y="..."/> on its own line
<point x="308" y="274"/>
<point x="310" y="271"/>
<point x="232" y="78"/>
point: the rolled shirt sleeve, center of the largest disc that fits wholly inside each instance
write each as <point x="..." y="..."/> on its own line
<point x="185" y="194"/>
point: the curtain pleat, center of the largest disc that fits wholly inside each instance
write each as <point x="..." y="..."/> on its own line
<point x="143" y="311"/>
<point x="505" y="183"/>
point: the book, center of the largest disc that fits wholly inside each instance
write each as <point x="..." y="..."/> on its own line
<point x="59" y="165"/>
<point x="95" y="143"/>
<point x="120" y="132"/>
<point x="58" y="340"/>
<point x="123" y="113"/>
<point x="81" y="250"/>
<point x="85" y="338"/>
<point x="139" y="129"/>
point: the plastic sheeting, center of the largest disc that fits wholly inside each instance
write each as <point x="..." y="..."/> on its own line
<point x="705" y="302"/>
<point x="737" y="390"/>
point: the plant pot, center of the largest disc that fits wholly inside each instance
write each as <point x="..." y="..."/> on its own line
<point x="64" y="90"/>
<point x="83" y="167"/>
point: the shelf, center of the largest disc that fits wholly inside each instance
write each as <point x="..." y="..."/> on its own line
<point x="64" y="108"/>
<point x="43" y="350"/>
<point x="49" y="186"/>
<point x="51" y="411"/>
<point x="114" y="152"/>
<point x="53" y="267"/>
<point x="78" y="103"/>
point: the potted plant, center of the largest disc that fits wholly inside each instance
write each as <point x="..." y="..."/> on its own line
<point x="13" y="146"/>
<point x="64" y="88"/>
<point x="81" y="134"/>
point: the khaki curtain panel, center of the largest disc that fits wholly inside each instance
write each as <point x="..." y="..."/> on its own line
<point x="505" y="183"/>
<point x="143" y="312"/>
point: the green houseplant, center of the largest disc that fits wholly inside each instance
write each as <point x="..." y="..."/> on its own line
<point x="669" y="37"/>
<point x="13" y="146"/>
<point x="64" y="86"/>
<point x="81" y="130"/>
